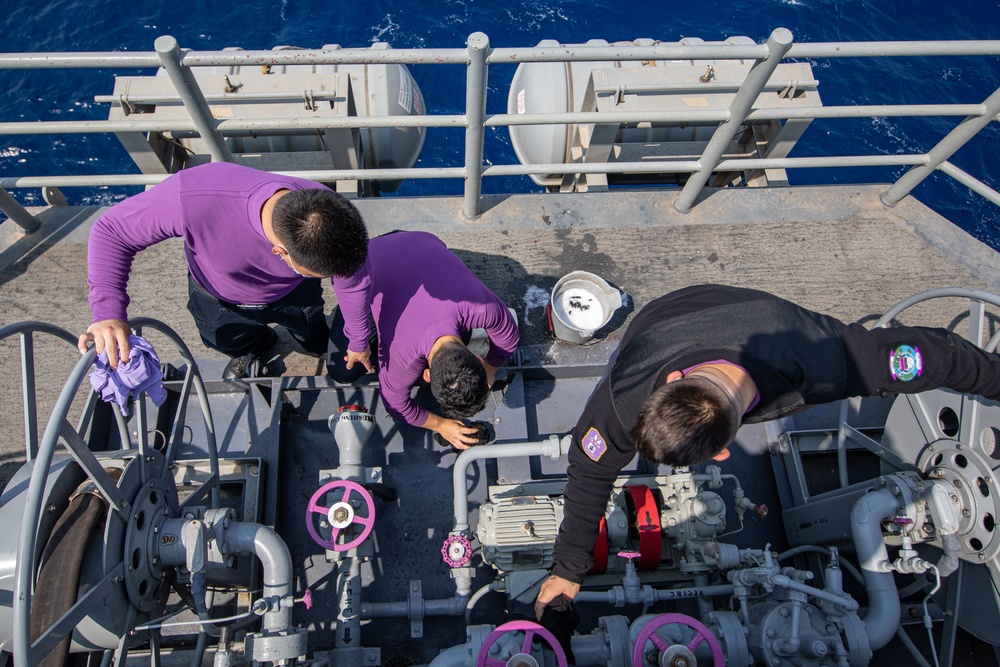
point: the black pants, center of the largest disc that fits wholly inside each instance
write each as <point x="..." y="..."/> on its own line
<point x="239" y="330"/>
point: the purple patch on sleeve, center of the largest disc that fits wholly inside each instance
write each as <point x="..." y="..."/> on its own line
<point x="594" y="444"/>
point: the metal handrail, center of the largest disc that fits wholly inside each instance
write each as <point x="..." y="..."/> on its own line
<point x="477" y="57"/>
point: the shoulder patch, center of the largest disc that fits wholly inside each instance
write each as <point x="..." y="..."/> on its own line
<point x="905" y="363"/>
<point x="594" y="444"/>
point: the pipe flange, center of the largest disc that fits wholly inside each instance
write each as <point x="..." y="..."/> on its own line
<point x="155" y="502"/>
<point x="647" y="633"/>
<point x="456" y="551"/>
<point x="976" y="495"/>
<point x="727" y="626"/>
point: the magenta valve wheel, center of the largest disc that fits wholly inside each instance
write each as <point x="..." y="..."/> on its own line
<point x="702" y="634"/>
<point x="341" y="514"/>
<point x="456" y="551"/>
<point x="530" y="630"/>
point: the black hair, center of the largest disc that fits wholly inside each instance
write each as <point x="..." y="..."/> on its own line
<point x="322" y="232"/>
<point x="458" y="381"/>
<point x="685" y="422"/>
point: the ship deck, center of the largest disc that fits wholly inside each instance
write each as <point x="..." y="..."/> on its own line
<point x="835" y="249"/>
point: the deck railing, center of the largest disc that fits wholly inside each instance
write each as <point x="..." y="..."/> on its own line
<point x="478" y="57"/>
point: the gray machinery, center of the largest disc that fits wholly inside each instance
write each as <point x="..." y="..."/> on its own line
<point x="653" y="89"/>
<point x="136" y="534"/>
<point x="260" y="97"/>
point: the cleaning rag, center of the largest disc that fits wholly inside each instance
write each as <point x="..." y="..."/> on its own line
<point x="140" y="373"/>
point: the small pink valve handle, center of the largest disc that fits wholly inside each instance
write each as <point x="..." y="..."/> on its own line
<point x="630" y="555"/>
<point x="702" y="634"/>
<point x="530" y="630"/>
<point x="456" y="551"/>
<point x="341" y="507"/>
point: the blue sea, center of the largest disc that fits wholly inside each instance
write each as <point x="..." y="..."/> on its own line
<point x="75" y="25"/>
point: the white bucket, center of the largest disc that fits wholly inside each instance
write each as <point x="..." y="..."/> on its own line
<point x="582" y="303"/>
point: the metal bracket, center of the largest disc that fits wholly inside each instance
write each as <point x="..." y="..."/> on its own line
<point x="415" y="606"/>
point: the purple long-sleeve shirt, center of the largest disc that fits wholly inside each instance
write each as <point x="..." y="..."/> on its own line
<point x="215" y="208"/>
<point x="420" y="292"/>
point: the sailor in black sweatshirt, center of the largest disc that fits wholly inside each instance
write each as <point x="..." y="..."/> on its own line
<point x="758" y="357"/>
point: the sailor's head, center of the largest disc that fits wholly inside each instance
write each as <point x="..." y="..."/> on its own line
<point x="321" y="234"/>
<point x="690" y="419"/>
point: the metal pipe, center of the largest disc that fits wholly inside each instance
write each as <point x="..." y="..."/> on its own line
<point x="843" y="600"/>
<point x="18" y="214"/>
<point x="348" y="632"/>
<point x="24" y="564"/>
<point x="276" y="564"/>
<point x="550" y="447"/>
<point x="567" y="53"/>
<point x="944" y="149"/>
<point x="475" y="115"/>
<point x="970" y="182"/>
<point x="453" y="606"/>
<point x="659" y="167"/>
<point x="777" y="45"/>
<point x="244" y="126"/>
<point x="616" y="595"/>
<point x="476" y="597"/>
<point x="867" y="515"/>
<point x="190" y="93"/>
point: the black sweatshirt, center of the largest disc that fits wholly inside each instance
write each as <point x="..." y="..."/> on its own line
<point x="796" y="357"/>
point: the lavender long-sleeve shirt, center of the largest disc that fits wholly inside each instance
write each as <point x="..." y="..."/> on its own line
<point x="215" y="208"/>
<point x="420" y="292"/>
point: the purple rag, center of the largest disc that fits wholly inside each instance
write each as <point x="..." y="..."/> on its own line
<point x="140" y="373"/>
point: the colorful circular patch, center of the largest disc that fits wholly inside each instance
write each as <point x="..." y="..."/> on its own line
<point x="905" y="363"/>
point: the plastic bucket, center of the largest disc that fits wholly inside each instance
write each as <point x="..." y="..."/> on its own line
<point x="582" y="303"/>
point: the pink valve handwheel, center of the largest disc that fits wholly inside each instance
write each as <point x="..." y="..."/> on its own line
<point x="314" y="507"/>
<point x="530" y="630"/>
<point x="648" y="633"/>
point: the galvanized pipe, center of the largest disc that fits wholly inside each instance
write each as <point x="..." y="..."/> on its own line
<point x="970" y="182"/>
<point x="756" y="79"/>
<point x="360" y="56"/>
<point x="475" y="115"/>
<point x="945" y="148"/>
<point x="190" y="93"/>
<point x="18" y="214"/>
<point x="867" y="516"/>
<point x="244" y="126"/>
<point x="276" y="565"/>
<point x="550" y="447"/>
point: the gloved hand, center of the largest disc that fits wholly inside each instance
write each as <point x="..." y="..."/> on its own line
<point x="561" y="618"/>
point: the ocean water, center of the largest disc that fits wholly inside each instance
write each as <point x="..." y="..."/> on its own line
<point x="75" y="25"/>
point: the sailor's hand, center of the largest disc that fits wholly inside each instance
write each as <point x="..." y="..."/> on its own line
<point x="452" y="430"/>
<point x="552" y="588"/>
<point x="110" y="335"/>
<point x="491" y="373"/>
<point x="364" y="358"/>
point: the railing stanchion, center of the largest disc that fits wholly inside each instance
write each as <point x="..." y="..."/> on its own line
<point x="194" y="100"/>
<point x="475" y="119"/>
<point x="777" y="46"/>
<point x="944" y="150"/>
<point x="18" y="214"/>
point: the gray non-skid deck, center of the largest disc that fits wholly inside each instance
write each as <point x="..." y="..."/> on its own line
<point x="834" y="249"/>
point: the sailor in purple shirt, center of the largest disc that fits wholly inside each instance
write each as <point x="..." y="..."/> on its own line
<point x="423" y="299"/>
<point x="256" y="245"/>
